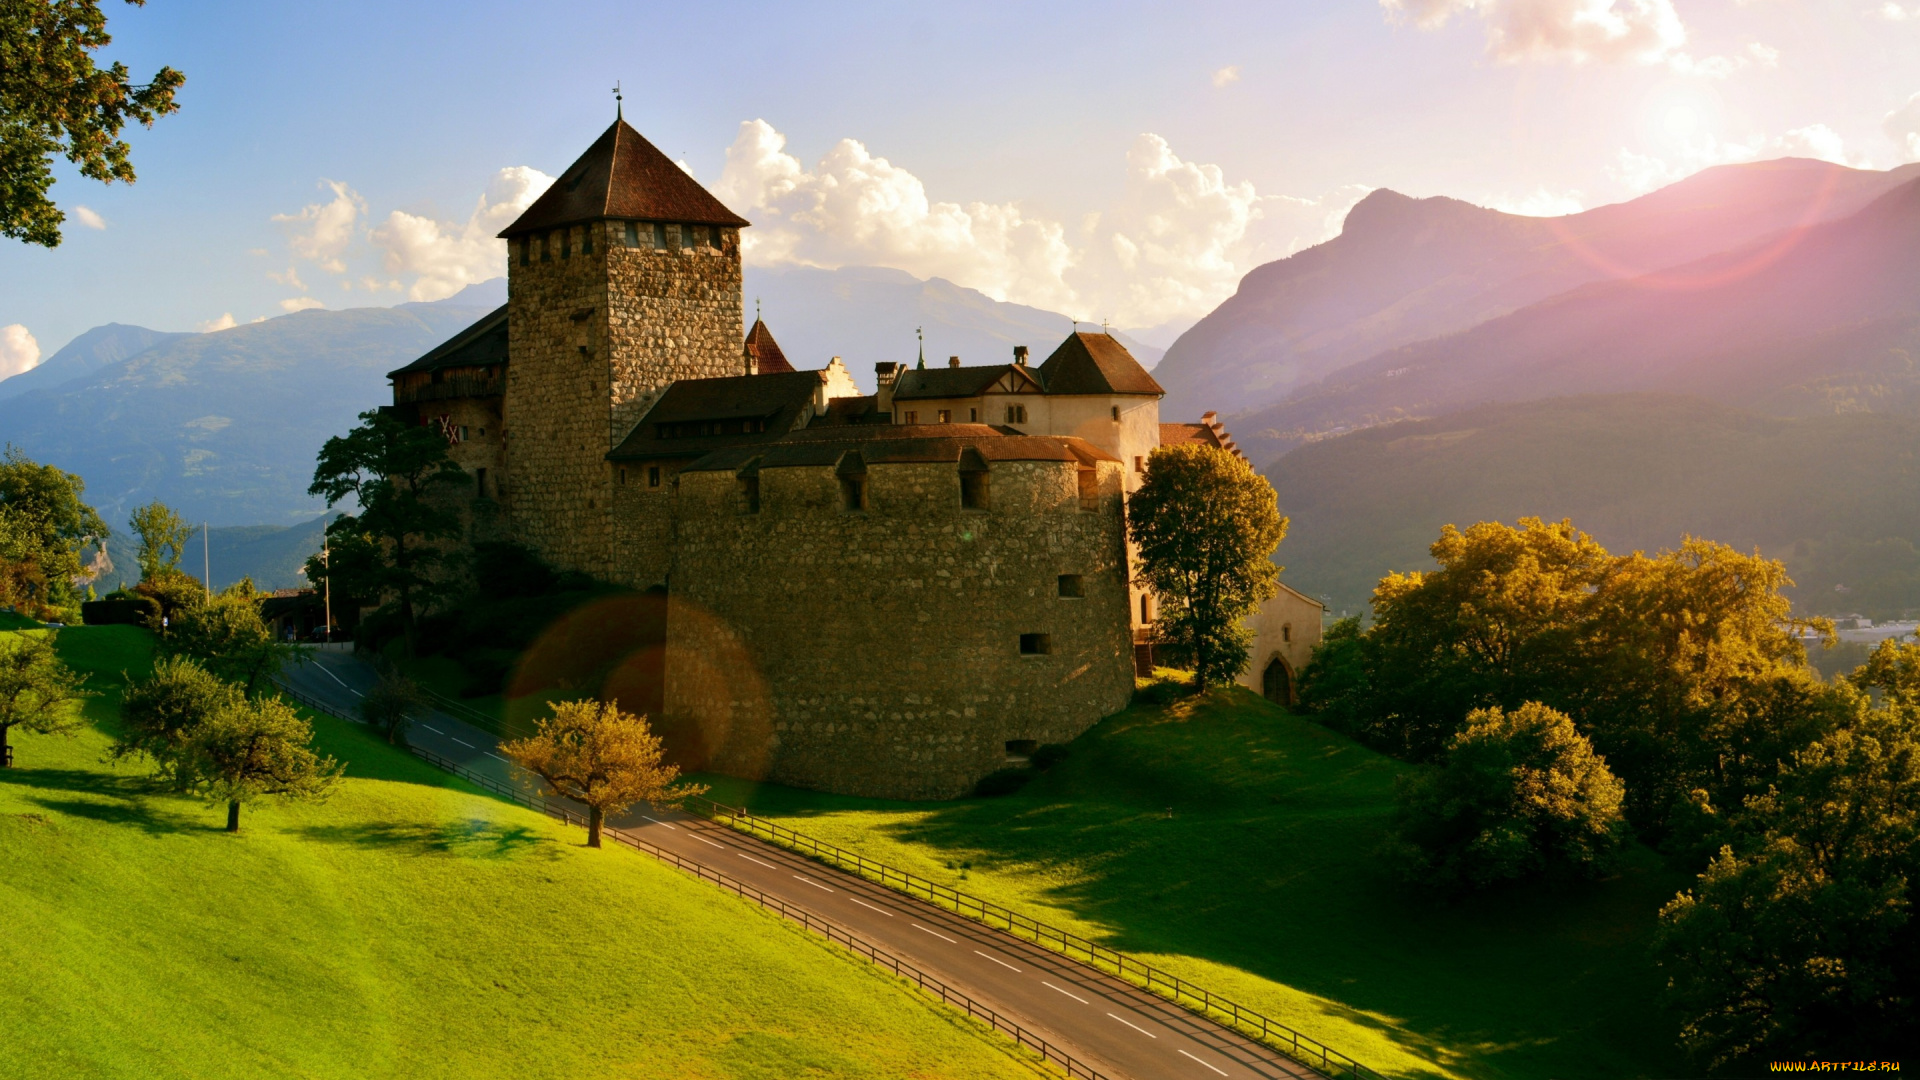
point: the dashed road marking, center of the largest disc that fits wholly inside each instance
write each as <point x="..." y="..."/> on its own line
<point x="751" y="859"/>
<point x="1069" y="993"/>
<point x="710" y="843"/>
<point x="1209" y="1065"/>
<point x="870" y="907"/>
<point x="936" y="933"/>
<point x="657" y="821"/>
<point x="461" y="741"/>
<point x="433" y="729"/>
<point x="497" y="757"/>
<point x="996" y="960"/>
<point x="1135" y="1026"/>
<point x="812" y="882"/>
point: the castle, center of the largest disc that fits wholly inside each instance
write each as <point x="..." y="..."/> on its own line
<point x="891" y="594"/>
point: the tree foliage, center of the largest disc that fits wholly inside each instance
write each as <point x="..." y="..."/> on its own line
<point x="1684" y="669"/>
<point x="54" y="100"/>
<point x="1799" y="938"/>
<point x="160" y="713"/>
<point x="1518" y="793"/>
<point x="44" y="528"/>
<point x="163" y="538"/>
<point x="598" y="755"/>
<point x="252" y="748"/>
<point x="385" y="553"/>
<point x="229" y="638"/>
<point x="392" y="705"/>
<point x="1206" y="526"/>
<point x="37" y="691"/>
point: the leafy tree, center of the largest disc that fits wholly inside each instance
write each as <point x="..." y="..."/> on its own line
<point x="36" y="690"/>
<point x="229" y="638"/>
<point x="249" y="749"/>
<point x="53" y="100"/>
<point x="1893" y="669"/>
<point x="160" y="713"/>
<point x="175" y="593"/>
<point x="392" y="705"/>
<point x="1800" y="938"/>
<point x="595" y="754"/>
<point x="48" y="526"/>
<point x="1519" y="792"/>
<point x="163" y="537"/>
<point x="1206" y="526"/>
<point x="386" y="550"/>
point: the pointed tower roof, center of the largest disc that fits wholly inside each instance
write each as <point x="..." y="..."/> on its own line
<point x="623" y="176"/>
<point x="766" y="354"/>
<point x="1089" y="363"/>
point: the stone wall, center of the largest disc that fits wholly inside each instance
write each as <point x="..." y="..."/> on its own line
<point x="879" y="652"/>
<point x="594" y="337"/>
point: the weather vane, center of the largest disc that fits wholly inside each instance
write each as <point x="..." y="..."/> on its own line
<point x="616" y="100"/>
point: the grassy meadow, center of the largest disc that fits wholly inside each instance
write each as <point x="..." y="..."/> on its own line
<point x="1234" y="844"/>
<point x="409" y="927"/>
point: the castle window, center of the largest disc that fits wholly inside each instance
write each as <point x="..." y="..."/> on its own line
<point x="566" y="243"/>
<point x="1146" y="608"/>
<point x="912" y="417"/>
<point x="1286" y="631"/>
<point x="659" y="236"/>
<point x="1072" y="585"/>
<point x="546" y="247"/>
<point x="586" y="238"/>
<point x="1116" y="414"/>
<point x="653" y="476"/>
<point x="852" y="473"/>
<point x="750" y="492"/>
<point x="1139" y="464"/>
<point x="945" y="416"/>
<point x="973" y="416"/>
<point x="1021" y="749"/>
<point x="1016" y="414"/>
<point x="633" y="234"/>
<point x="623" y="476"/>
<point x="525" y="246"/>
<point x="973" y="480"/>
<point x="483" y="433"/>
<point x="480" y="479"/>
<point x="1035" y="644"/>
<point x="1089" y="490"/>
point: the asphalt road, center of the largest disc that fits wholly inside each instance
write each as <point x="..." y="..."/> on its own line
<point x="1107" y="1023"/>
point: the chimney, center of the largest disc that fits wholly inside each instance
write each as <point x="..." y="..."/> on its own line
<point x="953" y="361"/>
<point x="886" y="373"/>
<point x="1020" y="355"/>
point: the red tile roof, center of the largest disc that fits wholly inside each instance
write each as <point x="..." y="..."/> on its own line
<point x="766" y="354"/>
<point x="1088" y="363"/>
<point x="623" y="176"/>
<point x="1208" y="432"/>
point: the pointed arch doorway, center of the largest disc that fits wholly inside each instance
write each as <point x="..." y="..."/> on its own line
<point x="1276" y="682"/>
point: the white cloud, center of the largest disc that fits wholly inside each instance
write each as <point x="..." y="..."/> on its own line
<point x="290" y="276"/>
<point x="1577" y="31"/>
<point x="19" y="352"/>
<point x="89" y="217"/>
<point x="444" y="257"/>
<point x="320" y="232"/>
<point x="1540" y="203"/>
<point x="1227" y="76"/>
<point x="1764" y="55"/>
<point x="1893" y="12"/>
<point x="299" y="303"/>
<point x="1175" y="243"/>
<point x="1903" y="126"/>
<point x="214" y="326"/>
<point x="1640" y="173"/>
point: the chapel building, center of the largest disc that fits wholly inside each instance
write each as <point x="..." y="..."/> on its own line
<point x="889" y="594"/>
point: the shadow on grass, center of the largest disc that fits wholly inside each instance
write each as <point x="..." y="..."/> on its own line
<point x="462" y="839"/>
<point x="117" y="800"/>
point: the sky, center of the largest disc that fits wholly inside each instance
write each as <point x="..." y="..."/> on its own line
<point x="1114" y="161"/>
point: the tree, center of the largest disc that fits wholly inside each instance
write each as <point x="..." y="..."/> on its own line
<point x="1799" y="939"/>
<point x="163" y="537"/>
<point x="53" y="100"/>
<point x="228" y="637"/>
<point x="36" y="690"/>
<point x="48" y="525"/>
<point x="1206" y="526"/>
<point x="249" y="749"/>
<point x="1519" y="792"/>
<point x="160" y="713"/>
<point x="392" y="705"/>
<point x="390" y="469"/>
<point x="595" y="754"/>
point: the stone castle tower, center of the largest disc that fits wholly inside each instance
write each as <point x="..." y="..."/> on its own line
<point x="622" y="278"/>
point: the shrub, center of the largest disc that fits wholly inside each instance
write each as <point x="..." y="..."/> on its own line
<point x="1517" y="793"/>
<point x="1004" y="782"/>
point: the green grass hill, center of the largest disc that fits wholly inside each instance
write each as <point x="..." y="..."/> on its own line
<point x="409" y="927"/>
<point x="1234" y="844"/>
<point x="1832" y="496"/>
